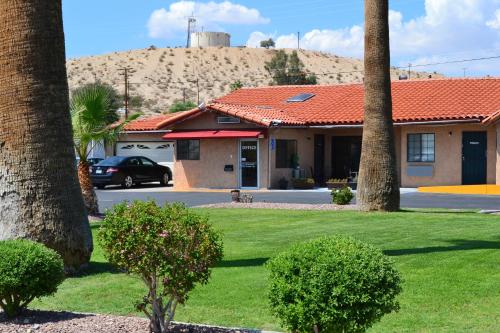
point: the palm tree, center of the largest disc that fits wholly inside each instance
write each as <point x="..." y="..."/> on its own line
<point x="93" y="116"/>
<point x="40" y="198"/>
<point x="378" y="187"/>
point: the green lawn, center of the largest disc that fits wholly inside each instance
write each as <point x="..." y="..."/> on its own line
<point x="450" y="263"/>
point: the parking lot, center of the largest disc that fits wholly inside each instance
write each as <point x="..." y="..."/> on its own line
<point x="409" y="198"/>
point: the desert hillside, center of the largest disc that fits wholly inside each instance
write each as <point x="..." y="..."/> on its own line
<point x="163" y="76"/>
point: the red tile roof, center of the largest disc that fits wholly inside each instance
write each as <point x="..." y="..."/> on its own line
<point x="156" y="122"/>
<point x="413" y="101"/>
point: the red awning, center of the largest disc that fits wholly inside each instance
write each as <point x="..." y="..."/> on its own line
<point x="217" y="134"/>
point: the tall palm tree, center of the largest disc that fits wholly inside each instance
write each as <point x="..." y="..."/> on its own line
<point x="92" y="115"/>
<point x="40" y="198"/>
<point x="378" y="187"/>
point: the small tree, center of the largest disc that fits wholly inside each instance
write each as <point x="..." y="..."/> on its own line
<point x="288" y="70"/>
<point x="182" y="106"/>
<point x="334" y="285"/>
<point x="267" y="43"/>
<point x="93" y="110"/>
<point x="171" y="248"/>
<point x="236" y="85"/>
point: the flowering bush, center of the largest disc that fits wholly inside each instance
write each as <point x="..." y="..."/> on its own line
<point x="342" y="196"/>
<point x="27" y="270"/>
<point x="171" y="248"/>
<point x="332" y="284"/>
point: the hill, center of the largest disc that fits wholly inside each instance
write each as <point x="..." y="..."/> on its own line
<point x="163" y="76"/>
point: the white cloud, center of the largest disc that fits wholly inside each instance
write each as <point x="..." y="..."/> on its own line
<point x="495" y="22"/>
<point x="449" y="30"/>
<point x="167" y="23"/>
<point x="256" y="37"/>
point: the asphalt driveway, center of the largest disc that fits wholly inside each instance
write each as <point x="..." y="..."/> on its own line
<point x="109" y="197"/>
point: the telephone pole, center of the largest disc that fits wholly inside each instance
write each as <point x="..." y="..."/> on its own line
<point x="409" y="71"/>
<point x="298" y="40"/>
<point x="126" y="72"/>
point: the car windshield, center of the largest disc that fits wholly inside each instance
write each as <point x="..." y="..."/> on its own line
<point x="112" y="161"/>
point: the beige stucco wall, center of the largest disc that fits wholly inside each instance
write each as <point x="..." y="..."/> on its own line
<point x="497" y="143"/>
<point x="447" y="168"/>
<point x="208" y="171"/>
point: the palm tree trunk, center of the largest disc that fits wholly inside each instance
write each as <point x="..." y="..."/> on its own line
<point x="378" y="187"/>
<point x="89" y="196"/>
<point x="40" y="198"/>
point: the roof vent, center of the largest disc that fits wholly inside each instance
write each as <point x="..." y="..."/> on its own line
<point x="300" y="98"/>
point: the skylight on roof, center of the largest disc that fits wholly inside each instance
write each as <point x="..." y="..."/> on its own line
<point x="300" y="98"/>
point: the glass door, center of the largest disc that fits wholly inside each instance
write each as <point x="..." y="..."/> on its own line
<point x="249" y="163"/>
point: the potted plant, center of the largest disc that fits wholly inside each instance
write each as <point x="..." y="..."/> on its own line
<point x="334" y="183"/>
<point x="283" y="183"/>
<point x="303" y="183"/>
<point x="295" y="166"/>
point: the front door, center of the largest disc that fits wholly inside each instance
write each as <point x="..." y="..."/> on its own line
<point x="319" y="159"/>
<point x="473" y="158"/>
<point x="249" y="163"/>
<point x="346" y="156"/>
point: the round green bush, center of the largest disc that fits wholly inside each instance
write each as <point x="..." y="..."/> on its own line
<point x="332" y="284"/>
<point x="27" y="270"/>
<point x="342" y="196"/>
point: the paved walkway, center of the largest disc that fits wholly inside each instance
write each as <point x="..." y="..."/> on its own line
<point x="409" y="199"/>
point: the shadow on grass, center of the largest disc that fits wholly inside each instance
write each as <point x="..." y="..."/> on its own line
<point x="437" y="211"/>
<point x="459" y="245"/>
<point x="243" y="262"/>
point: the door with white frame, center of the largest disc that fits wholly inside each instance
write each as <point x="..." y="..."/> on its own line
<point x="249" y="163"/>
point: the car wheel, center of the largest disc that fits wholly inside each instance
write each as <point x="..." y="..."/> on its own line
<point x="128" y="182"/>
<point x="101" y="187"/>
<point x="165" y="179"/>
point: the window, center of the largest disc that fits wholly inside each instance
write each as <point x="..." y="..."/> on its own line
<point x="188" y="150"/>
<point x="286" y="152"/>
<point x="133" y="162"/>
<point x="228" y="120"/>
<point x="421" y="147"/>
<point x="147" y="162"/>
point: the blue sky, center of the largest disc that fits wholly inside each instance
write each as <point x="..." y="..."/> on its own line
<point x="422" y="31"/>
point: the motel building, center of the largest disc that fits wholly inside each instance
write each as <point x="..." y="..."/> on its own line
<point x="447" y="132"/>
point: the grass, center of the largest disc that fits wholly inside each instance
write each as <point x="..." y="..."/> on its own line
<point x="450" y="262"/>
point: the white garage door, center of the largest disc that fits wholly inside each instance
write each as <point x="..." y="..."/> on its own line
<point x="160" y="152"/>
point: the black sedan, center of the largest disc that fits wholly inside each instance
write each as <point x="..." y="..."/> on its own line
<point x="127" y="171"/>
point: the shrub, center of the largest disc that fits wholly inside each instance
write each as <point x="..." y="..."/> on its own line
<point x="332" y="284"/>
<point x="27" y="270"/>
<point x="170" y="248"/>
<point x="342" y="196"/>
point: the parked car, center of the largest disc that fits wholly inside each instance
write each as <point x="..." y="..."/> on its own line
<point x="94" y="160"/>
<point x="128" y="171"/>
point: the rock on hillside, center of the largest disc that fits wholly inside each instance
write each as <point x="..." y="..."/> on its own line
<point x="165" y="75"/>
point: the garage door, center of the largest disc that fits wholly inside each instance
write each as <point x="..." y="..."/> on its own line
<point x="160" y="152"/>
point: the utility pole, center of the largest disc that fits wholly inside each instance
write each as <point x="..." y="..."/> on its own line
<point x="409" y="71"/>
<point x="198" y="88"/>
<point x="184" y="95"/>
<point x="126" y="71"/>
<point x="465" y="71"/>
<point x="298" y="40"/>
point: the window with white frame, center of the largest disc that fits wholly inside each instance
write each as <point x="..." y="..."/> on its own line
<point x="421" y="147"/>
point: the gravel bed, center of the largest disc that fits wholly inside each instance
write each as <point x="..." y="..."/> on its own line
<point x="68" y="322"/>
<point x="290" y="206"/>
